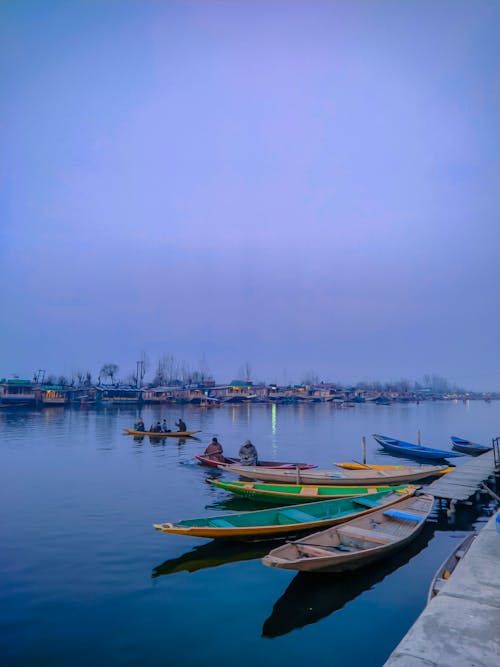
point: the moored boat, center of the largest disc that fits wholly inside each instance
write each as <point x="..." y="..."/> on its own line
<point x="338" y="477"/>
<point x="354" y="465"/>
<point x="284" y="520"/>
<point x="468" y="447"/>
<point x="355" y="543"/>
<point x="206" y="460"/>
<point x="412" y="450"/>
<point x="291" y="494"/>
<point x="161" y="434"/>
<point x="446" y="568"/>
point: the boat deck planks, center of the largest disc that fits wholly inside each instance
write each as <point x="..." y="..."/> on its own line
<point x="463" y="482"/>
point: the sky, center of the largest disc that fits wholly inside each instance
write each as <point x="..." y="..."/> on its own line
<point x="300" y="186"/>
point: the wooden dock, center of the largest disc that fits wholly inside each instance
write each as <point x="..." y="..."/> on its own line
<point x="459" y="627"/>
<point x="466" y="479"/>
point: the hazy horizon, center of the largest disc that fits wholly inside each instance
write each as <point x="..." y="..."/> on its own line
<point x="309" y="186"/>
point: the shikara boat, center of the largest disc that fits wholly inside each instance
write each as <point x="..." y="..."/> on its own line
<point x="354" y="465"/>
<point x="262" y="524"/>
<point x="355" y="543"/>
<point x="206" y="460"/>
<point x="309" y="599"/>
<point x="337" y="477"/>
<point x="411" y="450"/>
<point x="446" y="569"/>
<point x="468" y="447"/>
<point x="161" y="434"/>
<point x="292" y="494"/>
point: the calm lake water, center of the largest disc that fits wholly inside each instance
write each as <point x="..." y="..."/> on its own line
<point x="87" y="581"/>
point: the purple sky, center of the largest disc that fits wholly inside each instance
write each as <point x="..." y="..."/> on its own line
<point x="301" y="185"/>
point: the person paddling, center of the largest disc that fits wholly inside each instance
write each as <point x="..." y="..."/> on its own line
<point x="181" y="426"/>
<point x="214" y="451"/>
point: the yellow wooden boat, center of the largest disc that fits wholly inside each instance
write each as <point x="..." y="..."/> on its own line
<point x="354" y="465"/>
<point x="161" y="434"/>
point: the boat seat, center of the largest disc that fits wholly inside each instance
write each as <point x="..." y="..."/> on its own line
<point x="220" y="523"/>
<point x="363" y="533"/>
<point x="366" y="502"/>
<point x="397" y="514"/>
<point x="296" y="515"/>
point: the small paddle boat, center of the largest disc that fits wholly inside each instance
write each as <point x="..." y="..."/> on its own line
<point x="213" y="463"/>
<point x="411" y="450"/>
<point x="337" y="477"/>
<point x="446" y="569"/>
<point x="284" y="520"/>
<point x="161" y="434"/>
<point x="354" y="465"/>
<point x="468" y="447"/>
<point x="291" y="494"/>
<point x="355" y="543"/>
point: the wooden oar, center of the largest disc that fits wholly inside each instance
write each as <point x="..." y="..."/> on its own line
<point x="338" y="547"/>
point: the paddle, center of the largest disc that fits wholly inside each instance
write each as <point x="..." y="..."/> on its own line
<point x="338" y="547"/>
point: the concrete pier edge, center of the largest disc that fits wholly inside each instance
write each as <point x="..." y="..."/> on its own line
<point x="460" y="627"/>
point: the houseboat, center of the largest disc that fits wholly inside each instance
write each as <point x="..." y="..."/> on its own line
<point x="118" y="395"/>
<point x="17" y="392"/>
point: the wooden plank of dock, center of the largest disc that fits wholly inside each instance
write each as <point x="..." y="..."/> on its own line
<point x="459" y="627"/>
<point x="465" y="480"/>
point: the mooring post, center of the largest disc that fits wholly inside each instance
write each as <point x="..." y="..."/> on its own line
<point x="418" y="437"/>
<point x="363" y="440"/>
<point x="297" y="474"/>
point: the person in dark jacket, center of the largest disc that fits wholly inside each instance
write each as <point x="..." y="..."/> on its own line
<point x="181" y="425"/>
<point x="248" y="454"/>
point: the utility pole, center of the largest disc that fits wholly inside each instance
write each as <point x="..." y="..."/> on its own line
<point x="140" y="373"/>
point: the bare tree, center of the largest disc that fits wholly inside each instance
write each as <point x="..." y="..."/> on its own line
<point x="245" y="371"/>
<point x="109" y="370"/>
<point x="309" y="377"/>
<point x="130" y="379"/>
<point x="204" y="369"/>
<point x="167" y="370"/>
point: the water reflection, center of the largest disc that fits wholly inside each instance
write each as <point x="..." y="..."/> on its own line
<point x="139" y="440"/>
<point x="311" y="597"/>
<point x="212" y="554"/>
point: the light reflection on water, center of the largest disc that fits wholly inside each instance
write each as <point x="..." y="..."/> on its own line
<point x="88" y="581"/>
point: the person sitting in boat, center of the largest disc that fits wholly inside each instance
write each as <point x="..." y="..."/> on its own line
<point x="214" y="451"/>
<point x="248" y="454"/>
<point x="164" y="426"/>
<point x="157" y="427"/>
<point x="139" y="426"/>
<point x="181" y="425"/>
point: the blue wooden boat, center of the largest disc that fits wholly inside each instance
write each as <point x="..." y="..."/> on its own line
<point x="409" y="449"/>
<point x="468" y="447"/>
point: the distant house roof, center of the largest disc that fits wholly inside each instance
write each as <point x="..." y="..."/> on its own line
<point x="240" y="383"/>
<point x="16" y="381"/>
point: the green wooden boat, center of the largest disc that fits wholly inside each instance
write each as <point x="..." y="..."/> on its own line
<point x="285" y="520"/>
<point x="291" y="494"/>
